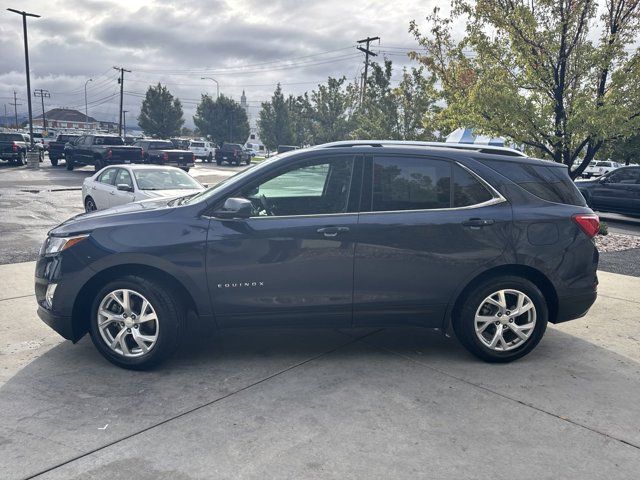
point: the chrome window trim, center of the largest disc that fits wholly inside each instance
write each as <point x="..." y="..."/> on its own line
<point x="496" y="200"/>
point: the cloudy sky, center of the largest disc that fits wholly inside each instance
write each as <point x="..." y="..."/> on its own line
<point x="244" y="44"/>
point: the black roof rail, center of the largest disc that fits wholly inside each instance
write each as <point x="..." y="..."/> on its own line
<point x="495" y="149"/>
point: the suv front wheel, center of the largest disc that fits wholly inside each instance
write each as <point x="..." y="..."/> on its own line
<point x="136" y="323"/>
<point x="502" y="319"/>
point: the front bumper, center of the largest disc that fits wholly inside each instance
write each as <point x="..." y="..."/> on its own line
<point x="60" y="323"/>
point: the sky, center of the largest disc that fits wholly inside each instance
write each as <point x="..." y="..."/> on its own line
<point x="243" y="44"/>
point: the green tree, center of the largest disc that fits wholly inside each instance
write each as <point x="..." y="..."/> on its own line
<point x="623" y="150"/>
<point x="301" y="113"/>
<point x="377" y="116"/>
<point x="331" y="111"/>
<point x="161" y="113"/>
<point x="535" y="72"/>
<point x="416" y="98"/>
<point x="274" y="123"/>
<point x="222" y="120"/>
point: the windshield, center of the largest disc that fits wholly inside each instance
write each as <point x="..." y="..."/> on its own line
<point x="161" y="145"/>
<point x="164" y="179"/>
<point x="66" y="138"/>
<point x="196" y="144"/>
<point x="11" y="137"/>
<point x="108" y="141"/>
<point x="603" y="164"/>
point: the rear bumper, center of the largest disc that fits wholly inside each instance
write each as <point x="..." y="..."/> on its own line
<point x="574" y="306"/>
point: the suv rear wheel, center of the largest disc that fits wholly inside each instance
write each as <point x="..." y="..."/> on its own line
<point x="502" y="319"/>
<point x="136" y="323"/>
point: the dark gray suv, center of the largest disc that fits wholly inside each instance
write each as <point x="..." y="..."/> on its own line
<point x="366" y="234"/>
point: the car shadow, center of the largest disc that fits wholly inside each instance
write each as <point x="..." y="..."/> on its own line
<point x="70" y="400"/>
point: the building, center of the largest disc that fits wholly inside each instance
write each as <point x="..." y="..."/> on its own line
<point x="61" y="118"/>
<point x="253" y="142"/>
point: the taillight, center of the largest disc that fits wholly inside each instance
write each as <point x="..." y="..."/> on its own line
<point x="589" y="223"/>
<point x="193" y="158"/>
<point x="14" y="147"/>
<point x="109" y="153"/>
<point x="165" y="157"/>
<point x="142" y="153"/>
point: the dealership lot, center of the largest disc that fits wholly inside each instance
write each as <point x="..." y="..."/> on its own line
<point x="325" y="403"/>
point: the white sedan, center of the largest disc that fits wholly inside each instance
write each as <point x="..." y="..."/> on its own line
<point x="120" y="184"/>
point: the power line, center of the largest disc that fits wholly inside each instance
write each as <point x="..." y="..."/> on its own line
<point x="121" y="82"/>
<point x="42" y="94"/>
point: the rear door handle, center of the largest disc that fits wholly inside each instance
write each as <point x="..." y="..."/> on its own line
<point x="332" y="231"/>
<point x="478" y="222"/>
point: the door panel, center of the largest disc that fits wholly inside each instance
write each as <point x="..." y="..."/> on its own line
<point x="618" y="191"/>
<point x="281" y="270"/>
<point x="119" y="197"/>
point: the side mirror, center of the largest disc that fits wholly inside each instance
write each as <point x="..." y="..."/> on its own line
<point x="123" y="187"/>
<point x="603" y="179"/>
<point x="235" y="208"/>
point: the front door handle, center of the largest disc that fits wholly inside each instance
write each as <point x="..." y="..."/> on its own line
<point x="478" y="222"/>
<point x="332" y="231"/>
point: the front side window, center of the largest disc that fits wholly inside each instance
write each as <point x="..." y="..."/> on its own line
<point x="313" y="187"/>
<point x="107" y="176"/>
<point x="628" y="176"/>
<point x="410" y="183"/>
<point x="124" y="178"/>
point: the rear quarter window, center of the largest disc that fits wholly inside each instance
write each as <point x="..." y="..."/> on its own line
<point x="551" y="183"/>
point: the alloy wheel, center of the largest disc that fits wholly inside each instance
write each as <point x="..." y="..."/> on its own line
<point x="128" y="323"/>
<point x="505" y="320"/>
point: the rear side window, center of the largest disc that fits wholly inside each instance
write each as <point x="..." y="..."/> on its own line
<point x="107" y="176"/>
<point x="467" y="189"/>
<point x="548" y="183"/>
<point x="410" y="183"/>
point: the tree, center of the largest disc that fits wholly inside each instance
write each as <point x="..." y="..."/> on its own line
<point x="301" y="114"/>
<point x="274" y="123"/>
<point x="331" y="111"/>
<point x="161" y="113"/>
<point x="623" y="150"/>
<point x="222" y="120"/>
<point x="416" y="98"/>
<point x="534" y="72"/>
<point x="377" y="116"/>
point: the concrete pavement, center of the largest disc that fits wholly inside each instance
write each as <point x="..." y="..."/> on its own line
<point x="323" y="404"/>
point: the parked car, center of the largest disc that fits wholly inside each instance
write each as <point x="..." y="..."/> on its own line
<point x="202" y="150"/>
<point x="57" y="148"/>
<point x="489" y="246"/>
<point x="617" y="191"/>
<point x="162" y="152"/>
<point x="232" y="153"/>
<point x="117" y="185"/>
<point x="599" y="168"/>
<point x="101" y="150"/>
<point x="14" y="147"/>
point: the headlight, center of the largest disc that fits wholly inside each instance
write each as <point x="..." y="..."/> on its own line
<point x="57" y="244"/>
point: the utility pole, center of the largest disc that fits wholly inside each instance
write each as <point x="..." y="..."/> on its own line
<point x="124" y="122"/>
<point x="367" y="52"/>
<point x="86" y="109"/>
<point x="42" y="94"/>
<point x="15" y="107"/>
<point x="121" y="82"/>
<point x="26" y="61"/>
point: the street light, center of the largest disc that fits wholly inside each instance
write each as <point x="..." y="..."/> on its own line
<point x="86" y="110"/>
<point x="217" y="85"/>
<point x="26" y="61"/>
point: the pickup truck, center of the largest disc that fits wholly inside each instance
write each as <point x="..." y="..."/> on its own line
<point x="232" y="153"/>
<point x="162" y="152"/>
<point x="14" y="147"/>
<point x="101" y="150"/>
<point x="57" y="147"/>
<point x="202" y="149"/>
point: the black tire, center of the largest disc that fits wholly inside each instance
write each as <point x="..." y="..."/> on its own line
<point x="69" y="164"/>
<point x="210" y="158"/>
<point x="90" y="204"/>
<point x="21" y="160"/>
<point x="98" y="164"/>
<point x="464" y="319"/>
<point x="248" y="161"/>
<point x="53" y="160"/>
<point x="170" y="322"/>
<point x="41" y="156"/>
<point x="219" y="162"/>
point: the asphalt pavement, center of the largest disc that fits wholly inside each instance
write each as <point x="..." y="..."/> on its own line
<point x="335" y="404"/>
<point x="34" y="201"/>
